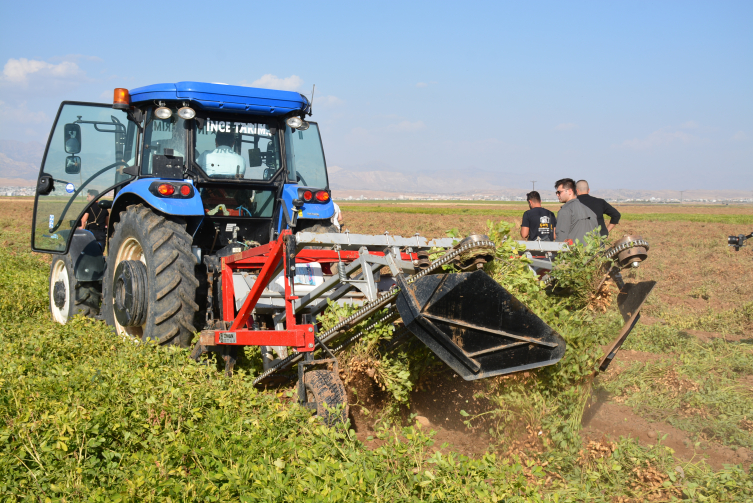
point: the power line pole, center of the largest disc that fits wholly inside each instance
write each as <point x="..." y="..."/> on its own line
<point x="533" y="182"/>
<point x="681" y="191"/>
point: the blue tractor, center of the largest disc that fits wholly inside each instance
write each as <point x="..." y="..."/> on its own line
<point x="186" y="171"/>
<point x="200" y="214"/>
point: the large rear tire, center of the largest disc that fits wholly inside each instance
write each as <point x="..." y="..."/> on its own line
<point x="68" y="296"/>
<point x="163" y="246"/>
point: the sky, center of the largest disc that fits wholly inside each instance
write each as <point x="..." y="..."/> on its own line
<point x="632" y="95"/>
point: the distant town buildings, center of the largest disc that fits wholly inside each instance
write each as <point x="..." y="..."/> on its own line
<point x="474" y="197"/>
<point x="29" y="191"/>
<point x="17" y="191"/>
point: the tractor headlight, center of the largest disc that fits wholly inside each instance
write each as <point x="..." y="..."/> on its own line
<point x="186" y="113"/>
<point x="304" y="126"/>
<point x="163" y="113"/>
<point x="295" y="122"/>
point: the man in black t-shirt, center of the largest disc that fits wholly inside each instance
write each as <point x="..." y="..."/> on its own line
<point x="538" y="222"/>
<point x="96" y="219"/>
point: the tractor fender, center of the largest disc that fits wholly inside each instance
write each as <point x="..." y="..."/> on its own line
<point x="191" y="209"/>
<point x="86" y="256"/>
<point x="316" y="211"/>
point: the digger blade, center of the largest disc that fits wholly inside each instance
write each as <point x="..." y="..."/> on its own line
<point x="629" y="302"/>
<point x="476" y="326"/>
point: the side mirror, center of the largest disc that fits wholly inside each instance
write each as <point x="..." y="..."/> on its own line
<point x="268" y="173"/>
<point x="73" y="165"/>
<point x="45" y="185"/>
<point x="254" y="157"/>
<point x="72" y="137"/>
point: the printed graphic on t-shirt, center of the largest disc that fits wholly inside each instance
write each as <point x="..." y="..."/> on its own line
<point x="545" y="227"/>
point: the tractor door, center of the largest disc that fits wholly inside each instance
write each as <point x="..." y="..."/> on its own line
<point x="89" y="147"/>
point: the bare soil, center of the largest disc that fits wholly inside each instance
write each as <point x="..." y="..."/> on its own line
<point x="606" y="420"/>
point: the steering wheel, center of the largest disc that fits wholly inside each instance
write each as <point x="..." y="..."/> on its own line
<point x="299" y="178"/>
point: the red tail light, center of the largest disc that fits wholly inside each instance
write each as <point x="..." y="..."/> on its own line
<point x="185" y="190"/>
<point x="166" y="189"/>
<point x="322" y="196"/>
<point x="307" y="196"/>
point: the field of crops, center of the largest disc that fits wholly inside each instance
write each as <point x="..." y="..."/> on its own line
<point x="87" y="416"/>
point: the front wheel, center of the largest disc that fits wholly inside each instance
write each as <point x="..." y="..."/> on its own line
<point x="150" y="283"/>
<point x="68" y="296"/>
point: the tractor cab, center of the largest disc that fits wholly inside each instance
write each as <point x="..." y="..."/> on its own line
<point x="235" y="162"/>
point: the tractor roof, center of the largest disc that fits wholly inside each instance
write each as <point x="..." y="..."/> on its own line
<point x="225" y="97"/>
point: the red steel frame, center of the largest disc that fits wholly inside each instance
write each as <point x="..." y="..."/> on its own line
<point x="267" y="258"/>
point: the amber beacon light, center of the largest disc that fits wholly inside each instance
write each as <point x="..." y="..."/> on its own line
<point x="121" y="100"/>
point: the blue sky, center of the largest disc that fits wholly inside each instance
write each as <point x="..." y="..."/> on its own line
<point x="652" y="95"/>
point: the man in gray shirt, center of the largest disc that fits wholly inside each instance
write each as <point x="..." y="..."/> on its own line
<point x="575" y="219"/>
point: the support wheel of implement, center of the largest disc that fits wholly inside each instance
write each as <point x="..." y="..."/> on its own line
<point x="68" y="296"/>
<point x="325" y="390"/>
<point x="150" y="283"/>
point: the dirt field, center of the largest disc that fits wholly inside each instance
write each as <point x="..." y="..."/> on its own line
<point x="703" y="296"/>
<point x="704" y="290"/>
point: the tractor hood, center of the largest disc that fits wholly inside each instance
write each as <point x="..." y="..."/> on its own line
<point x="224" y="97"/>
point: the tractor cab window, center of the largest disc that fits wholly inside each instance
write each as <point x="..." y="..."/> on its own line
<point x="160" y="135"/>
<point x="305" y="157"/>
<point x="230" y="202"/>
<point x="237" y="150"/>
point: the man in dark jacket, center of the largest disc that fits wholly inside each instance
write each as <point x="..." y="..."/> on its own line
<point x="598" y="206"/>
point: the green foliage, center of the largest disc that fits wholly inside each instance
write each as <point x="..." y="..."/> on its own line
<point x="696" y="389"/>
<point x="23" y="283"/>
<point x="580" y="271"/>
<point x="736" y="219"/>
<point x="88" y="416"/>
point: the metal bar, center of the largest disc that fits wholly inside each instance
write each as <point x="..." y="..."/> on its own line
<point x="541" y="264"/>
<point x="265" y="276"/>
<point x="295" y="338"/>
<point x="228" y="305"/>
<point x="525" y="340"/>
<point x="545" y="246"/>
<point x="253" y="252"/>
<point x="350" y="241"/>
<point x="495" y="349"/>
<point x="448" y="343"/>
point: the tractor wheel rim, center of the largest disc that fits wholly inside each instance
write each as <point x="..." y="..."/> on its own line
<point x="130" y="250"/>
<point x="60" y="273"/>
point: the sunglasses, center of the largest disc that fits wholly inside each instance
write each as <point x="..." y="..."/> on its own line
<point x="561" y="191"/>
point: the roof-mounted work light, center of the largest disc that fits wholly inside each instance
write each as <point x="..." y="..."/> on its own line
<point x="121" y="100"/>
<point x="294" y="122"/>
<point x="186" y="113"/>
<point x="163" y="113"/>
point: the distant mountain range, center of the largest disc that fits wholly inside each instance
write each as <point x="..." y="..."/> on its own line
<point x="389" y="184"/>
<point x="19" y="162"/>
